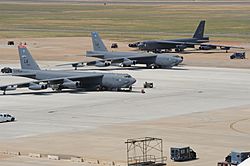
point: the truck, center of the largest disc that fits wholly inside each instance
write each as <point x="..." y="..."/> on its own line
<point x="6" y="117"/>
<point x="6" y="70"/>
<point x="182" y="154"/>
<point x="148" y="85"/>
<point x="236" y="157"/>
<point x="238" y="55"/>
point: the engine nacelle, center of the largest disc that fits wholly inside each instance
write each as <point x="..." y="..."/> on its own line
<point x="11" y="87"/>
<point x="78" y="64"/>
<point x="225" y="48"/>
<point x="102" y="64"/>
<point x="133" y="45"/>
<point x="207" y="47"/>
<point x="127" y="63"/>
<point x="70" y="85"/>
<point x="181" y="47"/>
<point x="37" y="86"/>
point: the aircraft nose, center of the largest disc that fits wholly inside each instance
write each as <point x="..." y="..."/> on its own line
<point x="132" y="81"/>
<point x="141" y="45"/>
<point x="178" y="60"/>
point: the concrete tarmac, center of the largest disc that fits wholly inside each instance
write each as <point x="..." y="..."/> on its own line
<point x="182" y="90"/>
<point x="178" y="92"/>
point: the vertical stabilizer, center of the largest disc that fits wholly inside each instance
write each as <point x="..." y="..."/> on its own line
<point x="199" y="33"/>
<point x="26" y="60"/>
<point x="98" y="44"/>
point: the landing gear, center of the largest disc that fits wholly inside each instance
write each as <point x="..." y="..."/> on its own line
<point x="98" y="88"/>
<point x="58" y="90"/>
<point x="127" y="89"/>
<point x="123" y="65"/>
<point x="179" y="50"/>
<point x="4" y="93"/>
<point x="130" y="89"/>
<point x="152" y="66"/>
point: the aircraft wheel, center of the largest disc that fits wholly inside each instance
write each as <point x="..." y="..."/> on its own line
<point x="98" y="88"/>
<point x="130" y="89"/>
<point x="58" y="90"/>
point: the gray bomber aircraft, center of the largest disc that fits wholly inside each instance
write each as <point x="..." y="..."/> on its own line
<point x="180" y="44"/>
<point x="58" y="80"/>
<point x="126" y="59"/>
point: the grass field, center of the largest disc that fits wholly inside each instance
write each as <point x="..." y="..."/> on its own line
<point x="123" y="22"/>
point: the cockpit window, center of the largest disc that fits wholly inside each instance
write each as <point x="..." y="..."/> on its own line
<point x="127" y="76"/>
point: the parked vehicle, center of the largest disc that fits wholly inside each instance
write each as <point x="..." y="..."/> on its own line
<point x="6" y="70"/>
<point x="182" y="154"/>
<point x="11" y="43"/>
<point x="6" y="117"/>
<point x="238" y="55"/>
<point x="148" y="85"/>
<point x="236" y="157"/>
<point x="114" y="45"/>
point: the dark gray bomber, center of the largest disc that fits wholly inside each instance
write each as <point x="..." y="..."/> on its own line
<point x="177" y="44"/>
<point x="180" y="45"/>
<point x="58" y="80"/>
<point x="126" y="59"/>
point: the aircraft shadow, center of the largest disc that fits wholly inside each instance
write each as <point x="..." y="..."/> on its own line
<point x="203" y="52"/>
<point x="110" y="69"/>
<point x="178" y="69"/>
<point x="128" y="68"/>
<point x="45" y="93"/>
<point x="187" y="160"/>
<point x="64" y="92"/>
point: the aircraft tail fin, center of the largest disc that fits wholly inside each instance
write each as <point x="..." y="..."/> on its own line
<point x="199" y="33"/>
<point x="26" y="59"/>
<point x="98" y="44"/>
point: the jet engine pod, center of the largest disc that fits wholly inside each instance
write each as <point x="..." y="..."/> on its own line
<point x="37" y="86"/>
<point x="207" y="47"/>
<point x="81" y="64"/>
<point x="70" y="84"/>
<point x="133" y="45"/>
<point x="128" y="62"/>
<point x="102" y="64"/>
<point x="11" y="87"/>
<point x="181" y="47"/>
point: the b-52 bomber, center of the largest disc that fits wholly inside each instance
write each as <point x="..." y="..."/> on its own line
<point x="126" y="59"/>
<point x="58" y="80"/>
<point x="179" y="45"/>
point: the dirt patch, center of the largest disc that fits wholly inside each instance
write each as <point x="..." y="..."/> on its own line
<point x="4" y="156"/>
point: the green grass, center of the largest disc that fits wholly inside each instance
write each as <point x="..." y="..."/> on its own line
<point x="123" y="22"/>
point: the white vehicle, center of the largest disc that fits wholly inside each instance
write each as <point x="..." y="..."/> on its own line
<point x="6" y="117"/>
